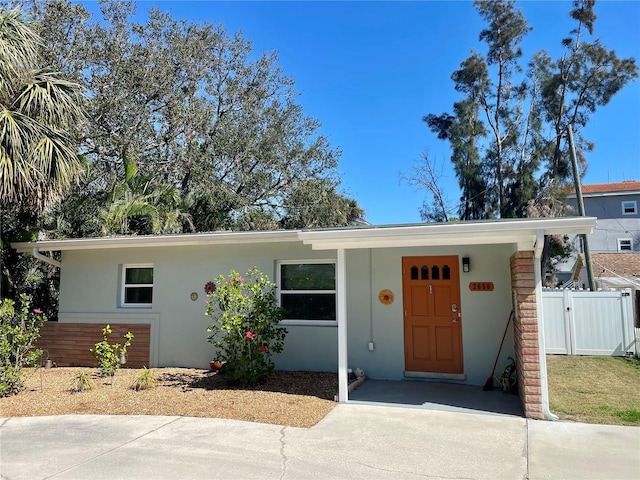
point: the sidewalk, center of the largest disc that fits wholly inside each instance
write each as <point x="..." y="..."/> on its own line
<point x="352" y="442"/>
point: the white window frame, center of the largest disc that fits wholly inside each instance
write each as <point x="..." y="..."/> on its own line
<point x="629" y="203"/>
<point x="630" y="240"/>
<point x="327" y="323"/>
<point x="123" y="286"/>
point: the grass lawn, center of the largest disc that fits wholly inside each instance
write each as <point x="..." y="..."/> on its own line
<point x="595" y="389"/>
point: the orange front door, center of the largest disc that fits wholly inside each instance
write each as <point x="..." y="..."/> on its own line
<point x="432" y="328"/>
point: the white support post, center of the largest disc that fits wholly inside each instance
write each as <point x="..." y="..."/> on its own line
<point x="537" y="275"/>
<point x="341" y="299"/>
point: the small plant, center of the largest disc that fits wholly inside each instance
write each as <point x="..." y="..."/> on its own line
<point x="108" y="354"/>
<point x="81" y="382"/>
<point x="19" y="331"/>
<point x="630" y="417"/>
<point x="145" y="380"/>
<point x="245" y="330"/>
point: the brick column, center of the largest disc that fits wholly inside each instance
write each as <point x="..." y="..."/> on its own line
<point x="526" y="333"/>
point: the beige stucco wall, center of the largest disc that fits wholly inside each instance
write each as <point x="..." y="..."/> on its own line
<point x="90" y="282"/>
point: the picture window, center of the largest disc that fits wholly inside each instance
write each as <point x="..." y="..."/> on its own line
<point x="307" y="290"/>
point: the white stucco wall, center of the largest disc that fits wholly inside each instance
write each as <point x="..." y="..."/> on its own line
<point x="90" y="282"/>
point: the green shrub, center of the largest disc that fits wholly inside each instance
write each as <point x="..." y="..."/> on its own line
<point x="81" y="382"/>
<point x="145" y="380"/>
<point x="108" y="354"/>
<point x="19" y="331"/>
<point x="245" y="328"/>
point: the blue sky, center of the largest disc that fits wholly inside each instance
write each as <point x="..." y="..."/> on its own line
<point x="369" y="71"/>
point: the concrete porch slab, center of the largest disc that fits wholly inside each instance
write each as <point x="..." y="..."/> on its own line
<point x="448" y="397"/>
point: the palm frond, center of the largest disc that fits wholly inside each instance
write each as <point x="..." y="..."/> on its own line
<point x="38" y="157"/>
<point x="18" y="44"/>
<point x="51" y="101"/>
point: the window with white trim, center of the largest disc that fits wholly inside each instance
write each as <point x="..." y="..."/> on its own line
<point x="137" y="285"/>
<point x="629" y="207"/>
<point x="625" y="245"/>
<point x="307" y="290"/>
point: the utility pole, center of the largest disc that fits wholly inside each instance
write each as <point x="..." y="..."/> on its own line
<point x="578" y="187"/>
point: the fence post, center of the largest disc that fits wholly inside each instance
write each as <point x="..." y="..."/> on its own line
<point x="569" y="326"/>
<point x="628" y="334"/>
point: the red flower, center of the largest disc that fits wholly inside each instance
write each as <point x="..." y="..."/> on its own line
<point x="250" y="335"/>
<point x="209" y="288"/>
<point x="37" y="311"/>
<point x="263" y="349"/>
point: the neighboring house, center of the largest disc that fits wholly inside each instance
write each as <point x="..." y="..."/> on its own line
<point x="617" y="208"/>
<point x="400" y="302"/>
<point x="614" y="270"/>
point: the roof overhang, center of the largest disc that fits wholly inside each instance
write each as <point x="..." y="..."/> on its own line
<point x="627" y="193"/>
<point x="219" y="238"/>
<point x="523" y="232"/>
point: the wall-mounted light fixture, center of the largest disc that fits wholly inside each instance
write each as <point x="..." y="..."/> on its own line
<point x="466" y="264"/>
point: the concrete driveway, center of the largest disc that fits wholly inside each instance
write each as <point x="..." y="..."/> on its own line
<point x="352" y="442"/>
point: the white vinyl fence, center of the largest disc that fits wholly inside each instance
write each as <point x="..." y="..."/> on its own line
<point x="578" y="322"/>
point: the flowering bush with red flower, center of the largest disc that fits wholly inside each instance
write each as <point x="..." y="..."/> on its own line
<point x="19" y="331"/>
<point x="245" y="329"/>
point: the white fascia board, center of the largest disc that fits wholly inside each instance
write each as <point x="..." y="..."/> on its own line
<point x="454" y="233"/>
<point x="519" y="231"/>
<point x="421" y="241"/>
<point x="622" y="193"/>
<point x="222" y="238"/>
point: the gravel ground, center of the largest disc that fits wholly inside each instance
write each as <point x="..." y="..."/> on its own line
<point x="297" y="399"/>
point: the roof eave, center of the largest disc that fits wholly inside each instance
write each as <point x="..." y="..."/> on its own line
<point x="221" y="238"/>
<point x="519" y="231"/>
<point x="616" y="193"/>
<point x="503" y="232"/>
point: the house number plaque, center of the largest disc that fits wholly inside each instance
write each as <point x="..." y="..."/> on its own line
<point x="481" y="286"/>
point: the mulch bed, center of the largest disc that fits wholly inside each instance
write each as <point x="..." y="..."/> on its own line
<point x="297" y="399"/>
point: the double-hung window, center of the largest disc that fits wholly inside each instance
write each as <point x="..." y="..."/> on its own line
<point x="629" y="207"/>
<point x="137" y="285"/>
<point x="307" y="291"/>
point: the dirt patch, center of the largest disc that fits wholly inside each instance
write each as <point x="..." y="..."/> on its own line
<point x="297" y="399"/>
